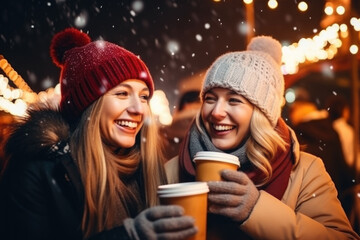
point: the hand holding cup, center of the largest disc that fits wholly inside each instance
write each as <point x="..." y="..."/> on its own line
<point x="234" y="197"/>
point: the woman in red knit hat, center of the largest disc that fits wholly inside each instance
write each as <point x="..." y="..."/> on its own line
<point x="91" y="168"/>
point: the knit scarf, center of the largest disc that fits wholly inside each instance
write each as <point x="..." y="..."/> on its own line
<point x="281" y="164"/>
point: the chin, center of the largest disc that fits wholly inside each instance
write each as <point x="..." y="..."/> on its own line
<point x="222" y="147"/>
<point x="126" y="143"/>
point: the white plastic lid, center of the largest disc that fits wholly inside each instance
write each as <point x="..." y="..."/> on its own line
<point x="216" y="156"/>
<point x="182" y="189"/>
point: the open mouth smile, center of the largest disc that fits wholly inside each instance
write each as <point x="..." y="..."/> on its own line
<point x="127" y="124"/>
<point x="219" y="127"/>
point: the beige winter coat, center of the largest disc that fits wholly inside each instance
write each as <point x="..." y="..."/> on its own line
<point x="308" y="210"/>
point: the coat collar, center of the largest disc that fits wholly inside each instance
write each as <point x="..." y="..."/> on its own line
<point x="38" y="133"/>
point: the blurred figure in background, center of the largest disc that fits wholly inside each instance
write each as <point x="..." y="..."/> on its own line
<point x="339" y="113"/>
<point x="188" y="105"/>
<point x="316" y="134"/>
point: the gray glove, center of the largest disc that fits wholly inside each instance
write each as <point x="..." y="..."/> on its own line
<point x="160" y="222"/>
<point x="235" y="197"/>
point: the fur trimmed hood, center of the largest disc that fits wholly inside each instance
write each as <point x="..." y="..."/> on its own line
<point x="38" y="133"/>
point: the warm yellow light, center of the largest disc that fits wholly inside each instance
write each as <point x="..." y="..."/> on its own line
<point x="272" y="4"/>
<point x="356" y="23"/>
<point x="329" y="10"/>
<point x="340" y="10"/>
<point x="302" y="6"/>
<point x="353" y="21"/>
<point x="247" y="1"/>
<point x="160" y="107"/>
<point x="344" y="34"/>
<point x="290" y="95"/>
<point x="16" y="93"/>
<point x="18" y="108"/>
<point x="216" y="0"/>
<point x="353" y="49"/>
<point x="337" y="43"/>
<point x="58" y="89"/>
<point x="343" y="27"/>
<point x="324" y="45"/>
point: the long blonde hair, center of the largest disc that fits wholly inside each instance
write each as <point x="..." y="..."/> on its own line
<point x="101" y="170"/>
<point x="262" y="144"/>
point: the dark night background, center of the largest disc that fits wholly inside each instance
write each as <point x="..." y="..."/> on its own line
<point x="27" y="26"/>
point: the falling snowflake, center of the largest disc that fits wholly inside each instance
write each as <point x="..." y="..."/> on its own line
<point x="46" y="83"/>
<point x="81" y="20"/>
<point x="243" y="28"/>
<point x="198" y="37"/>
<point x="143" y="74"/>
<point x="173" y="47"/>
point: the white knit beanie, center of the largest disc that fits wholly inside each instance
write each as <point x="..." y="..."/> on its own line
<point x="255" y="74"/>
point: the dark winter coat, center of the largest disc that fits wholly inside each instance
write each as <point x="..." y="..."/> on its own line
<point x="41" y="194"/>
<point x="318" y="137"/>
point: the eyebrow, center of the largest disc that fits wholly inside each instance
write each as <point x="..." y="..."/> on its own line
<point x="128" y="86"/>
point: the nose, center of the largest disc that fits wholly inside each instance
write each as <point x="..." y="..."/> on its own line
<point x="136" y="106"/>
<point x="219" y="110"/>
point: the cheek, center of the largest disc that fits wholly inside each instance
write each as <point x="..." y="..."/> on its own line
<point x="147" y="110"/>
<point x="204" y="116"/>
<point x="204" y="112"/>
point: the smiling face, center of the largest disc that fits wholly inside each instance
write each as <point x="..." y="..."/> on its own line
<point x="226" y="116"/>
<point x="124" y="109"/>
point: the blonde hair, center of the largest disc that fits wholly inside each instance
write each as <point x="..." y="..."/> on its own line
<point x="262" y="144"/>
<point x="101" y="169"/>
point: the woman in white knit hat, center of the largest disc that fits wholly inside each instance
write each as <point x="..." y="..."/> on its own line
<point x="279" y="192"/>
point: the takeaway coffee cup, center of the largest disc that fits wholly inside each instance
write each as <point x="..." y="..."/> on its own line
<point x="192" y="196"/>
<point x="209" y="165"/>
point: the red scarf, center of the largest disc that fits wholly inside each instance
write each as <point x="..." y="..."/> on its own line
<point x="281" y="165"/>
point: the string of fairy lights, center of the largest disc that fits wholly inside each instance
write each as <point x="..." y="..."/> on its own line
<point x="323" y="45"/>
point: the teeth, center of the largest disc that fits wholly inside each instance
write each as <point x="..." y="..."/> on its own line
<point x="223" y="127"/>
<point x="128" y="124"/>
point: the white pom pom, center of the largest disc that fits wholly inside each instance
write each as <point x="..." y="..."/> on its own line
<point x="268" y="45"/>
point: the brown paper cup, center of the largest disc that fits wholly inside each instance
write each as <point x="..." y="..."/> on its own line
<point x="192" y="196"/>
<point x="209" y="165"/>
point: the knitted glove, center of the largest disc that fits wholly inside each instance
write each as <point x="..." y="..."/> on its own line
<point x="235" y="197"/>
<point x="160" y="222"/>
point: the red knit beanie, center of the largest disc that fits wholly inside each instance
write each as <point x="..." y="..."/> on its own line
<point x="90" y="69"/>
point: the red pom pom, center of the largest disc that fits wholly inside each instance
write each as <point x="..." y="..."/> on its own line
<point x="66" y="40"/>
